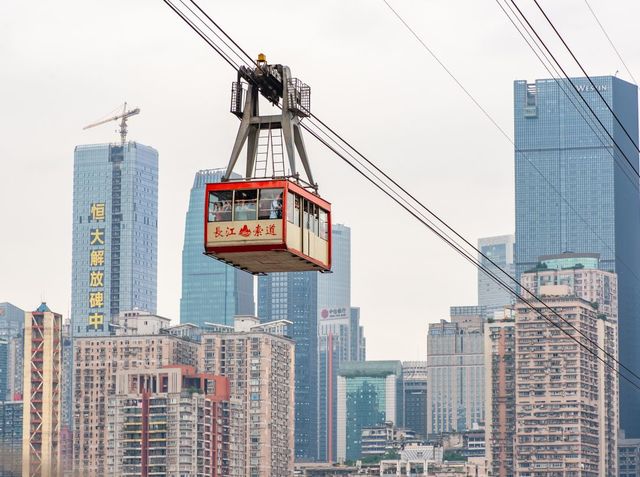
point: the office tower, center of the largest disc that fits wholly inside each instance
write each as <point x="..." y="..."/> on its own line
<point x="598" y="212"/>
<point x="499" y="251"/>
<point x="358" y="340"/>
<point x="369" y="393"/>
<point x="137" y="344"/>
<point x="212" y="292"/>
<point x="294" y="297"/>
<point x="10" y="437"/>
<point x="168" y="421"/>
<point x="11" y="326"/>
<point x="414" y="375"/>
<point x="42" y="392"/>
<point x="11" y="320"/>
<point x="258" y="360"/>
<point x="339" y="336"/>
<point x="115" y="234"/>
<point x="557" y="379"/>
<point x="455" y="370"/>
<point x="500" y="398"/>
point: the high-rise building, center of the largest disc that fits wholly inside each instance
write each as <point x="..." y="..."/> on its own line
<point x="500" y="393"/>
<point x="137" y="344"/>
<point x="455" y="364"/>
<point x="499" y="251"/>
<point x="4" y="369"/>
<point x="415" y="381"/>
<point x="115" y="234"/>
<point x="294" y="297"/>
<point x="339" y="336"/>
<point x="42" y="416"/>
<point x="11" y="330"/>
<point x="557" y="152"/>
<point x="212" y="292"/>
<point x="258" y="361"/>
<point x="10" y="438"/>
<point x="358" y="340"/>
<point x="628" y="457"/>
<point x="558" y="379"/>
<point x="369" y="393"/>
<point x="168" y="421"/>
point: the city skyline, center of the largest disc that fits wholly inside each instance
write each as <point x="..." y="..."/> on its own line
<point x="162" y="358"/>
<point x="203" y="134"/>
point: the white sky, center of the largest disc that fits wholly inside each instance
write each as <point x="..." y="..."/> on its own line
<point x="66" y="64"/>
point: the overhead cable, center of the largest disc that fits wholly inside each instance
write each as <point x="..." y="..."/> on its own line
<point x="405" y="203"/>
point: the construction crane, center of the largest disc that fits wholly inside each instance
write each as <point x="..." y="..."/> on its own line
<point x="123" y="122"/>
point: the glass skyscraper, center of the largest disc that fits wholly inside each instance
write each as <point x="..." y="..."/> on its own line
<point x="212" y="291"/>
<point x="499" y="249"/>
<point x="115" y="234"/>
<point x="573" y="196"/>
<point x="294" y="296"/>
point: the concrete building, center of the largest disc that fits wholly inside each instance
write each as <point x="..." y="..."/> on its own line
<point x="415" y="381"/>
<point x="258" y="361"/>
<point x="97" y="361"/>
<point x="212" y="291"/>
<point x="499" y="250"/>
<point x="582" y="274"/>
<point x="168" y="421"/>
<point x="115" y="234"/>
<point x="557" y="380"/>
<point x="455" y="369"/>
<point x="573" y="192"/>
<point x="41" y="418"/>
<point x="369" y="393"/>
<point x="628" y="457"/>
<point x="500" y="393"/>
<point x="376" y="441"/>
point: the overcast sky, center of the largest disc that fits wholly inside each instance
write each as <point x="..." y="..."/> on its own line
<point x="66" y="64"/>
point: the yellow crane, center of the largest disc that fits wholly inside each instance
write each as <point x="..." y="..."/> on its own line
<point x="123" y="121"/>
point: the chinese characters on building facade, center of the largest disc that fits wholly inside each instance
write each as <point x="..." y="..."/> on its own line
<point x="96" y="267"/>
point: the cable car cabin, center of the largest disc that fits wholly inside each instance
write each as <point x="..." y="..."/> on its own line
<point x="267" y="226"/>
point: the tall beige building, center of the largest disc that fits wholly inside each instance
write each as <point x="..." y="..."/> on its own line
<point x="41" y="416"/>
<point x="455" y="371"/>
<point x="138" y="344"/>
<point x="500" y="399"/>
<point x="258" y="360"/>
<point x="566" y="398"/>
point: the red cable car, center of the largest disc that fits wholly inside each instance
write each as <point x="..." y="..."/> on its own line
<point x="269" y="221"/>
<point x="266" y="226"/>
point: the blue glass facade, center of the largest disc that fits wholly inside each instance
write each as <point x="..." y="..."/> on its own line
<point x="212" y="291"/>
<point x="369" y="394"/>
<point x="294" y="297"/>
<point x="601" y="213"/>
<point x="115" y="234"/>
<point x="499" y="250"/>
